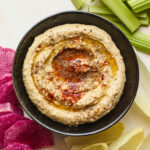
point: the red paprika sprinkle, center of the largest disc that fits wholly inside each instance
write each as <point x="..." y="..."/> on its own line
<point x="102" y="77"/>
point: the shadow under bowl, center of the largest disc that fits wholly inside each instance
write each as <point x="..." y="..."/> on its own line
<point x="126" y="50"/>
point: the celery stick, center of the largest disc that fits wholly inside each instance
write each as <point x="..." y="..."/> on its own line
<point x="123" y="13"/>
<point x="139" y="5"/>
<point x="142" y="15"/>
<point x="144" y="18"/>
<point x="102" y="11"/>
<point x="145" y="21"/>
<point x="141" y="35"/>
<point x="135" y="41"/>
<point x="140" y="40"/>
<point x="78" y="3"/>
<point x="138" y="45"/>
<point x="99" y="9"/>
<point x="110" y="18"/>
<point x="92" y="1"/>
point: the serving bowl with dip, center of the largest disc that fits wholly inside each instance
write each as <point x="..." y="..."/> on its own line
<point x="77" y="78"/>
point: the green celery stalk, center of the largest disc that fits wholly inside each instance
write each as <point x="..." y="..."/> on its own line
<point x="109" y="17"/>
<point x="145" y="21"/>
<point x="78" y="3"/>
<point x="112" y="18"/>
<point x="144" y="18"/>
<point x="127" y="17"/>
<point x="92" y="1"/>
<point x="139" y="5"/>
<point x="99" y="9"/>
<point x="139" y="40"/>
<point x="142" y="15"/>
<point x="102" y="11"/>
<point x="141" y="35"/>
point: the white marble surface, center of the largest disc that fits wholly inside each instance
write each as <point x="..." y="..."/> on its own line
<point x="18" y="16"/>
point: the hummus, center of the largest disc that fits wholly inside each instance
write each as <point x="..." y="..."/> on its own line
<point x="74" y="73"/>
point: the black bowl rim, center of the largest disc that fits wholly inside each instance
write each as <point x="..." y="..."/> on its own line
<point x="66" y="133"/>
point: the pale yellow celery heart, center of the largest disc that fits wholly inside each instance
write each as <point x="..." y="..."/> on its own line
<point x="143" y="95"/>
<point x="107" y="136"/>
<point x="129" y="141"/>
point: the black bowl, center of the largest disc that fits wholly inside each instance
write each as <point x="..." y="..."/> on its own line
<point x="132" y="73"/>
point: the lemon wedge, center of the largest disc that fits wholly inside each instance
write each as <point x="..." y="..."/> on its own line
<point x="97" y="146"/>
<point x="107" y="136"/>
<point x="146" y="143"/>
<point x="129" y="141"/>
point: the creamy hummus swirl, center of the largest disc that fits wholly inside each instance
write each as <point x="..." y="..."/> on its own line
<point x="74" y="73"/>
